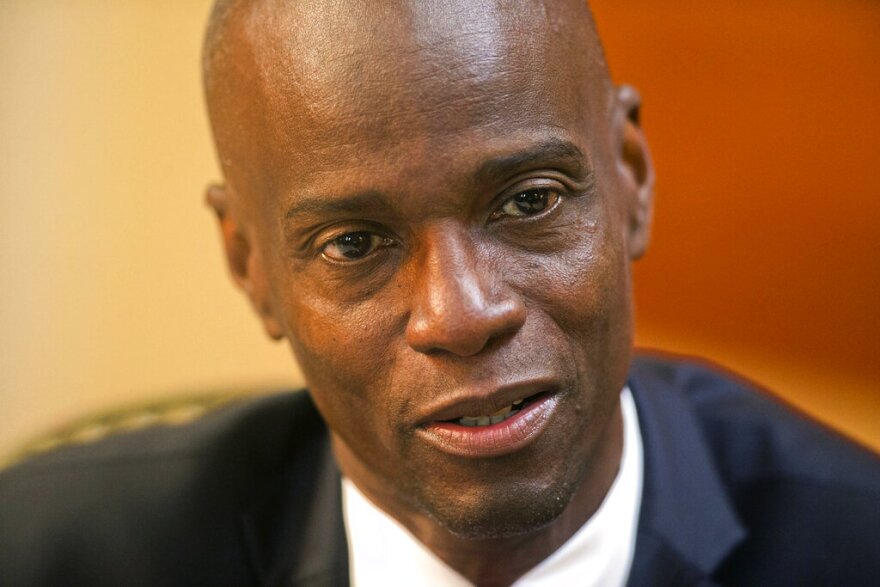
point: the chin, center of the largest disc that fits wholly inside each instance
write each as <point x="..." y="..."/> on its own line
<point x="502" y="512"/>
<point x="508" y="496"/>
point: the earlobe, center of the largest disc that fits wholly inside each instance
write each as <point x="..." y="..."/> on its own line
<point x="636" y="169"/>
<point x="243" y="259"/>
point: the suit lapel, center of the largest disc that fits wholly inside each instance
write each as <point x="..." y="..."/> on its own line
<point x="687" y="525"/>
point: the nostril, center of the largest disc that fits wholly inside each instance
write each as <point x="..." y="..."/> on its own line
<point x="464" y="332"/>
<point x="459" y="303"/>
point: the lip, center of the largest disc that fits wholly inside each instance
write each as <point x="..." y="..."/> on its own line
<point x="442" y="432"/>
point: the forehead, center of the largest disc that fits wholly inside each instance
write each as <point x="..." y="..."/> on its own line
<point x="368" y="85"/>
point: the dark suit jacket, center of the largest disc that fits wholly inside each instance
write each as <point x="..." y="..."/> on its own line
<point x="737" y="491"/>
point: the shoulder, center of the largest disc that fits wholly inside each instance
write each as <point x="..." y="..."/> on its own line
<point x="806" y="496"/>
<point x="251" y="432"/>
<point x="753" y="433"/>
<point x="158" y="488"/>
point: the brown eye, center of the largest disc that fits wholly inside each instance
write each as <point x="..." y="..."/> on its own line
<point x="528" y="203"/>
<point x="352" y="246"/>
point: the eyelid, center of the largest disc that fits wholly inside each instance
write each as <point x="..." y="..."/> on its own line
<point x="386" y="241"/>
<point x="558" y="176"/>
<point x="527" y="185"/>
<point x="542" y="179"/>
<point x="324" y="235"/>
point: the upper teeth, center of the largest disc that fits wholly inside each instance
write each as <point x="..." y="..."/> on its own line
<point x="498" y="416"/>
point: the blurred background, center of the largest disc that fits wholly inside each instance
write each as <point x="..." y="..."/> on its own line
<point x="762" y="117"/>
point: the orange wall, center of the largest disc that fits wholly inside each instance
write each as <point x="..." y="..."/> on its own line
<point x="763" y="118"/>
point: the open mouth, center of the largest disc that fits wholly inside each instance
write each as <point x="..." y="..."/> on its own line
<point x="504" y="431"/>
<point x="497" y="417"/>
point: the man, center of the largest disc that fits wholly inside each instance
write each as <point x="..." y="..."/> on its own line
<point x="436" y="204"/>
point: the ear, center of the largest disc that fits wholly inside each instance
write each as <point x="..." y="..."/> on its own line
<point x="635" y="168"/>
<point x="245" y="262"/>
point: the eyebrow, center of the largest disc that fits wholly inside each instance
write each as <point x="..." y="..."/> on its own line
<point x="357" y="202"/>
<point x="553" y="152"/>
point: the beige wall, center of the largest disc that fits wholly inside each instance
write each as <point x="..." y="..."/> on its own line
<point x="112" y="287"/>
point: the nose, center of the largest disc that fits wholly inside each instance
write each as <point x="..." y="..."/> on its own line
<point x="459" y="305"/>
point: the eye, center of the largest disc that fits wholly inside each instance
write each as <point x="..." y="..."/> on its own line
<point x="352" y="246"/>
<point x="527" y="203"/>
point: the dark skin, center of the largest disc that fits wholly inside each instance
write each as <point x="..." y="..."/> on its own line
<point x="435" y="203"/>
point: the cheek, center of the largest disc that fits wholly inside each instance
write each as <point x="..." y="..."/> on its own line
<point x="588" y="280"/>
<point x="345" y="352"/>
<point x="585" y="293"/>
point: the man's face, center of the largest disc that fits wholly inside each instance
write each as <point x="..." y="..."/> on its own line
<point x="439" y="220"/>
